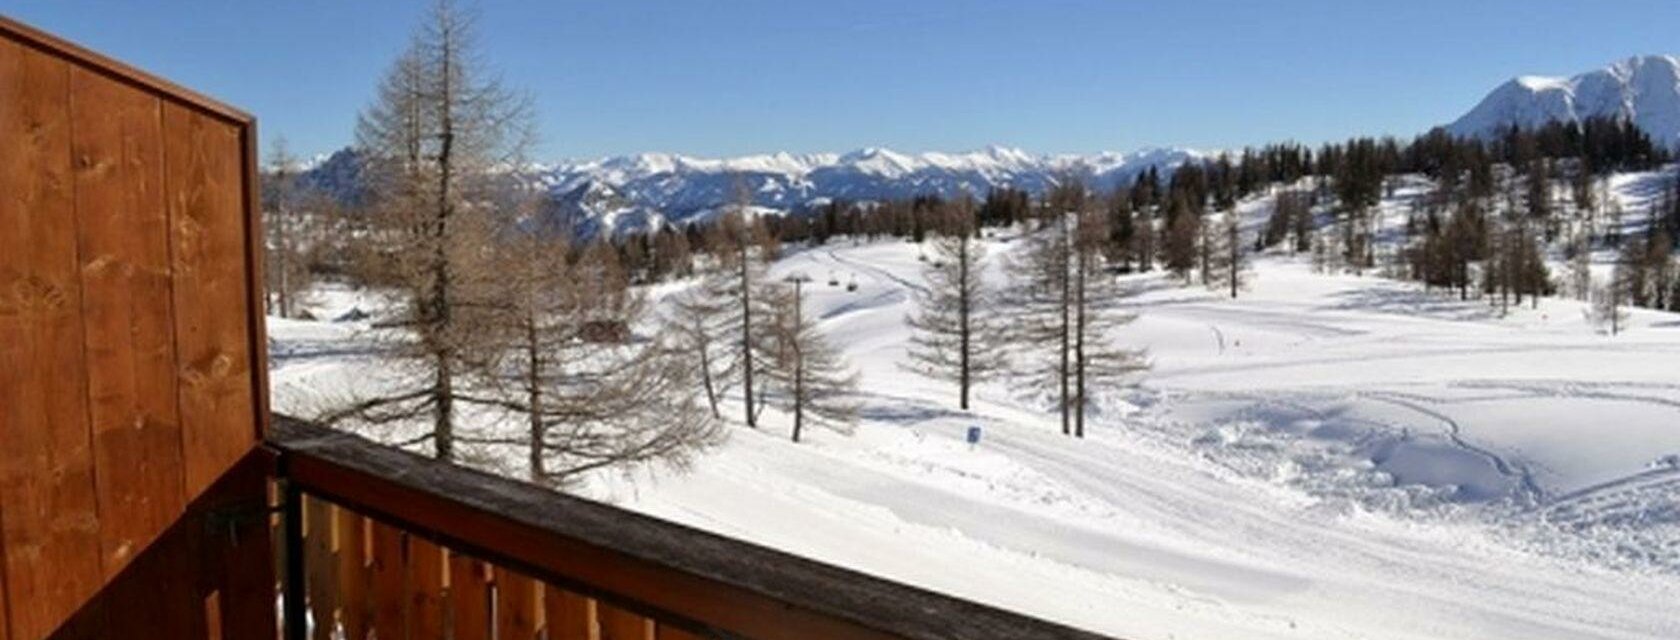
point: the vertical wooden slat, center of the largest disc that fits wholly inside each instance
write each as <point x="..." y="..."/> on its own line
<point x="46" y="475"/>
<point x="516" y="606"/>
<point x="469" y="598"/>
<point x="239" y="550"/>
<point x="321" y="566"/>
<point x="353" y="574"/>
<point x="388" y="593"/>
<point x="425" y="589"/>
<point x="124" y="238"/>
<point x="570" y="616"/>
<point x="5" y="601"/>
<point x="205" y="191"/>
<point x="618" y="624"/>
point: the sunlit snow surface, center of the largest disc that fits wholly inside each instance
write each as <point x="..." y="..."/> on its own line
<point x="1328" y="456"/>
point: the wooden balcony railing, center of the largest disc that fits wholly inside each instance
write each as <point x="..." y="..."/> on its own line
<point x="379" y="540"/>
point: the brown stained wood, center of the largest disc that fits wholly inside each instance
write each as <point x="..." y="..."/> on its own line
<point x="5" y="602"/>
<point x="618" y="624"/>
<point x="239" y="547"/>
<point x="19" y="32"/>
<point x="117" y="154"/>
<point x="353" y="574"/>
<point x="516" y="606"/>
<point x="425" y="589"/>
<point x="320" y="566"/>
<point x="469" y="598"/>
<point x="680" y="575"/>
<point x="206" y="212"/>
<point x="668" y="632"/>
<point x="51" y="528"/>
<point x="569" y="616"/>
<point x="388" y="571"/>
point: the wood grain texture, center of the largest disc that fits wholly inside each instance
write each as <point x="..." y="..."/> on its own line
<point x="569" y="615"/>
<point x="123" y="230"/>
<point x="320" y="566"/>
<point x="51" y="528"/>
<point x="469" y="598"/>
<point x="618" y="624"/>
<point x="425" y="589"/>
<point x="353" y="574"/>
<point x="205" y="187"/>
<point x="387" y="579"/>
<point x="516" y="606"/>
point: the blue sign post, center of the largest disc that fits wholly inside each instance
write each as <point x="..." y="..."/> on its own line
<point x="973" y="436"/>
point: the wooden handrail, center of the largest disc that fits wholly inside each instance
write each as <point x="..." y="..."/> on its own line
<point x="678" y="575"/>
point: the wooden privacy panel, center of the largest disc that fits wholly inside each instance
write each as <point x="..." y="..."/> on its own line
<point x="131" y="351"/>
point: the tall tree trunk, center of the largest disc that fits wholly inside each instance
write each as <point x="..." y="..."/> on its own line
<point x="798" y="365"/>
<point x="1062" y="373"/>
<point x="1079" y="348"/>
<point x="706" y="377"/>
<point x="443" y="436"/>
<point x="746" y="337"/>
<point x="534" y="399"/>
<point x="964" y="300"/>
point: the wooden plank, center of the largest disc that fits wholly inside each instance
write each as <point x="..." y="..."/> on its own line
<point x="668" y="632"/>
<point x="425" y="589"/>
<point x="569" y="615"/>
<point x="63" y="49"/>
<point x="697" y="578"/>
<point x="618" y="624"/>
<point x="46" y="475"/>
<point x="469" y="598"/>
<point x="516" y="606"/>
<point x="387" y="579"/>
<point x="353" y="576"/>
<point x="123" y="232"/>
<point x="241" y="547"/>
<point x="206" y="212"/>
<point x="5" y="602"/>
<point x="320" y="566"/>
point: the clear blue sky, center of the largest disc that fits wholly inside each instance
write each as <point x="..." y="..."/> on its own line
<point x="715" y="78"/>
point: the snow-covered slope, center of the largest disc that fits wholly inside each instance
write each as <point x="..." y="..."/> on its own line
<point x="1645" y="90"/>
<point x="1329" y="456"/>
<point x="681" y="187"/>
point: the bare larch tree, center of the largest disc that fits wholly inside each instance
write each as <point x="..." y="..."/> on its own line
<point x="953" y="333"/>
<point x="802" y="368"/>
<point x="1068" y="305"/>
<point x="439" y="128"/>
<point x="284" y="223"/>
<point x="592" y="392"/>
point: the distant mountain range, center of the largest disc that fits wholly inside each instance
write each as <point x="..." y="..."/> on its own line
<point x="1644" y="90"/>
<point x="639" y="191"/>
<point x="644" y="191"/>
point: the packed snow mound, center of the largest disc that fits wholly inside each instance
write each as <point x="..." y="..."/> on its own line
<point x="1644" y="89"/>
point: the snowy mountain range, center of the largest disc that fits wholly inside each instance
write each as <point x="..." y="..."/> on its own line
<point x="646" y="190"/>
<point x="639" y="191"/>
<point x="1645" y="90"/>
<point x="643" y="191"/>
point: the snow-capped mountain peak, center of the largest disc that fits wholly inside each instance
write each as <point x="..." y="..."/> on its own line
<point x="681" y="188"/>
<point x="1643" y="89"/>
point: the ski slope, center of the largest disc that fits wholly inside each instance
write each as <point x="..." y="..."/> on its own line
<point x="1327" y="456"/>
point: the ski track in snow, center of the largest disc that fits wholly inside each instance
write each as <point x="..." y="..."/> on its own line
<point x="1327" y="464"/>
